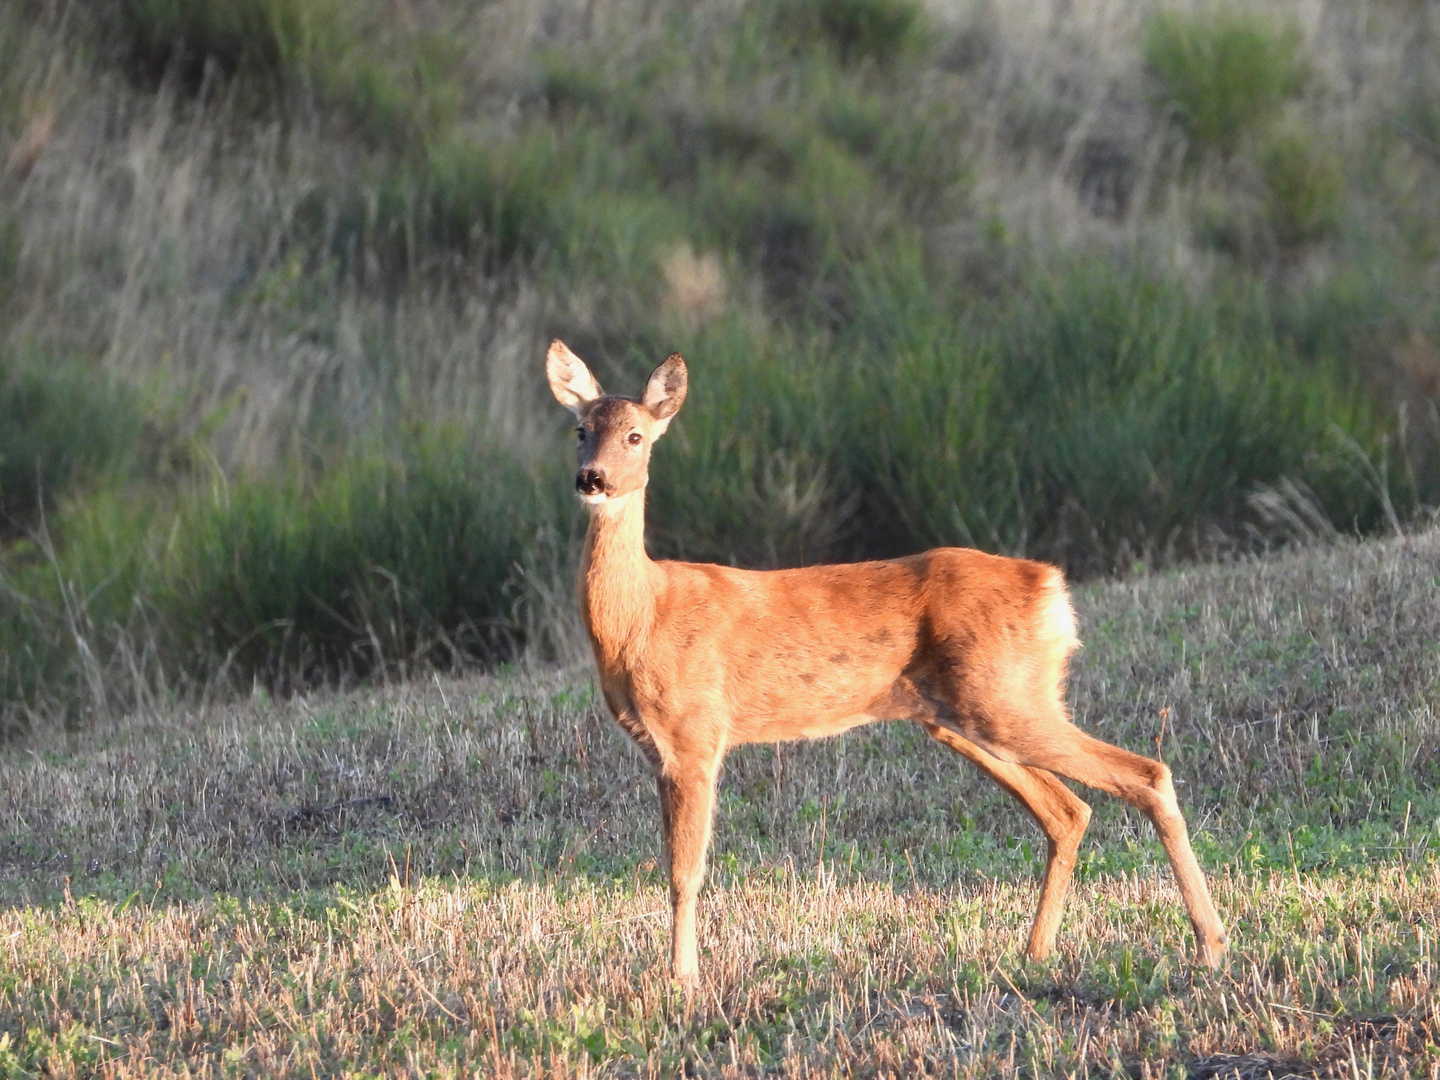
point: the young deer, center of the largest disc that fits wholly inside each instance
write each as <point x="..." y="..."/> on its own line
<point x="696" y="658"/>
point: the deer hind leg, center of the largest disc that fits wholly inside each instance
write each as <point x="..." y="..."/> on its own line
<point x="1062" y="816"/>
<point x="687" y="800"/>
<point x="1059" y="746"/>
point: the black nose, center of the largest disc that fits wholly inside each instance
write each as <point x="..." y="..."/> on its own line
<point x="589" y="482"/>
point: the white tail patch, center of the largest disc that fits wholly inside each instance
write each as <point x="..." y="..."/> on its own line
<point x="1058" y="617"/>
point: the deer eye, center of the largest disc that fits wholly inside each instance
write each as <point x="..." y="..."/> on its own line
<point x="580" y="433"/>
<point x="635" y="438"/>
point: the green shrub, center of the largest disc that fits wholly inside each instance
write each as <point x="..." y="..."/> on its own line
<point x="461" y="201"/>
<point x="396" y="83"/>
<point x="389" y="77"/>
<point x="1336" y="317"/>
<point x="879" y="30"/>
<point x="1102" y="415"/>
<point x="383" y="560"/>
<point x="1224" y="71"/>
<point x="269" y="38"/>
<point x="34" y="653"/>
<point x="61" y="422"/>
<point x="68" y="601"/>
<point x="745" y="477"/>
<point x="917" y="434"/>
<point x="1305" y="189"/>
<point x="1148" y="414"/>
<point x="500" y="198"/>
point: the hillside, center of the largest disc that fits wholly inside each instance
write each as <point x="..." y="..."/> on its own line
<point x="1089" y="281"/>
<point x="454" y="875"/>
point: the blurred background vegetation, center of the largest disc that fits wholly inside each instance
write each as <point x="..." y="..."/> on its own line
<point x="1107" y="283"/>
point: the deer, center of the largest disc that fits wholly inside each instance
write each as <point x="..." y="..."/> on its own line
<point x="695" y="658"/>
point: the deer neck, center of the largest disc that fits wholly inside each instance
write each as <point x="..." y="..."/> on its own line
<point x="617" y="581"/>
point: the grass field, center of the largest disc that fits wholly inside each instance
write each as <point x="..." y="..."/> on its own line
<point x="460" y="876"/>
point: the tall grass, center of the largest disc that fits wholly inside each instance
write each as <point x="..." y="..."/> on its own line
<point x="387" y="560"/>
<point x="61" y="423"/>
<point x="383" y="72"/>
<point x="943" y="276"/>
<point x="382" y="562"/>
<point x="1224" y="71"/>
<point x="1101" y="417"/>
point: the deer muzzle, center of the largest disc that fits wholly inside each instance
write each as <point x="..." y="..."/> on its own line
<point x="591" y="482"/>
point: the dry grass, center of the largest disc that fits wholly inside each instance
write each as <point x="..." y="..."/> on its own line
<point x="461" y="876"/>
<point x="159" y="235"/>
<point x="803" y="973"/>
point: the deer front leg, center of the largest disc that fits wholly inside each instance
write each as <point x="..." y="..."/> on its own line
<point x="687" y="799"/>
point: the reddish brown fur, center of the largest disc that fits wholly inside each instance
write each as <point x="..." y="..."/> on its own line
<point x="695" y="658"/>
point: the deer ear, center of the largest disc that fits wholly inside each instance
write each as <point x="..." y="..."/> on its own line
<point x="665" y="392"/>
<point x="570" y="380"/>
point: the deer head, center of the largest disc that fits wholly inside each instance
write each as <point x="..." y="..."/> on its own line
<point x="614" y="434"/>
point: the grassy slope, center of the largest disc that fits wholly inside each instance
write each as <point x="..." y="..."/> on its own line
<point x="458" y="876"/>
<point x="1024" y="275"/>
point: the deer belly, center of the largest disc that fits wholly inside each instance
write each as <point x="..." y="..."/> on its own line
<point x="784" y="729"/>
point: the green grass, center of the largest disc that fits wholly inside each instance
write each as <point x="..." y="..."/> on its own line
<point x="61" y="425"/>
<point x="460" y="874"/>
<point x="881" y="31"/>
<point x="1223" y="70"/>
<point x="383" y="562"/>
<point x="1122" y="420"/>
<point x="383" y="74"/>
<point x="1100" y="418"/>
<point x="1305" y="189"/>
